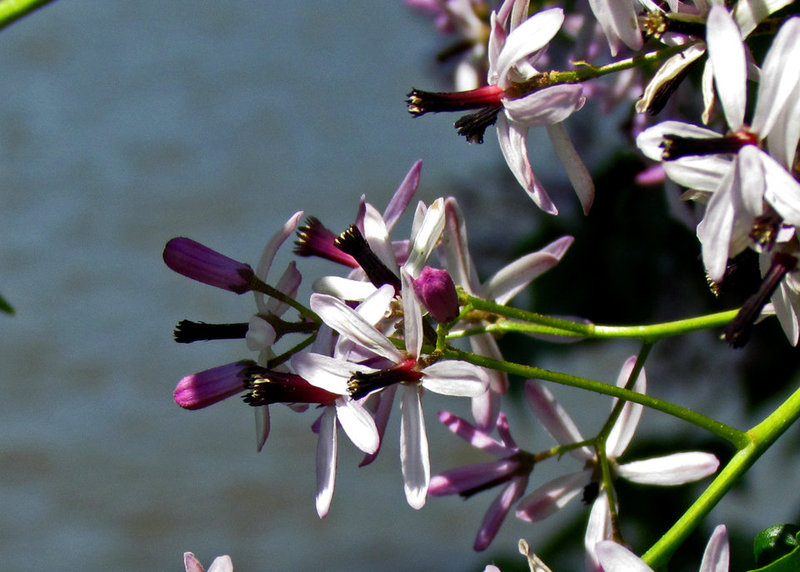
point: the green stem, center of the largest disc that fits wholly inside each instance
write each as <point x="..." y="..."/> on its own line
<point x="759" y="439"/>
<point x="736" y="437"/>
<point x="261" y="286"/>
<point x="587" y="72"/>
<point x="13" y="10"/>
<point x="532" y="322"/>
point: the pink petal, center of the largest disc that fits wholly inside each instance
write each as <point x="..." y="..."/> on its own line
<point x="552" y="496"/>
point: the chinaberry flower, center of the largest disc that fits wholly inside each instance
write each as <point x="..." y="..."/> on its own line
<point x="517" y="98"/>
<point x="512" y="469"/>
<point x="675" y="469"/>
<point x="407" y="367"/>
<point x="616" y="558"/>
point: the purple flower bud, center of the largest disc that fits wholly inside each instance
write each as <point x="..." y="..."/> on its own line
<point x="212" y="385"/>
<point x="436" y="291"/>
<point x="198" y="262"/>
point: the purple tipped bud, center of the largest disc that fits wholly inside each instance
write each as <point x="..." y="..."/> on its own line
<point x="436" y="291"/>
<point x="212" y="385"/>
<point x="198" y="262"/>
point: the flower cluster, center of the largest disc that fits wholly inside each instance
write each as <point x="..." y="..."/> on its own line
<point x="389" y="326"/>
<point x="364" y="335"/>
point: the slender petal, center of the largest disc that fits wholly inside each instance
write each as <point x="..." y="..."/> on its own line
<point x="552" y="496"/>
<point x="349" y="323"/>
<point x="676" y="469"/>
<point x="616" y="558"/>
<point x="326" y="461"/>
<point x="577" y="173"/>
<point x="497" y="512"/>
<point x="628" y="420"/>
<point x="716" y="557"/>
<point x="414" y="458"/>
<point x="513" y="278"/>
<point x="515" y="151"/>
<point x="456" y="378"/>
<point x="555" y="420"/>
<point x="358" y="424"/>
<point x="403" y="195"/>
<point x="527" y="39"/>
<point x="268" y="254"/>
<point x="726" y="52"/>
<point x="780" y="75"/>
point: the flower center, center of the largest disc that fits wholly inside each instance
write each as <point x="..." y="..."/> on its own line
<point x="421" y="102"/>
<point x="314" y="239"/>
<point x="361" y="384"/>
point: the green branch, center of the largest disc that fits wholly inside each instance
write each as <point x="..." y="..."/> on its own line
<point x="759" y="439"/>
<point x="736" y="437"/>
<point x="13" y="10"/>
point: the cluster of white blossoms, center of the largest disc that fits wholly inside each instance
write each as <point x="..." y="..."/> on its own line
<point x="386" y="323"/>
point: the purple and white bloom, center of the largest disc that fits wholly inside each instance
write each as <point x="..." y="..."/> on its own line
<point x="515" y="45"/>
<point x="220" y="564"/>
<point x="675" y="469"/>
<point x="513" y="468"/>
<point x="616" y="558"/>
<point x="743" y="179"/>
<point x="356" y="380"/>
<point x="502" y="287"/>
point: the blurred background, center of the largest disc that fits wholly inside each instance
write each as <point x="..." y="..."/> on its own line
<point x="123" y="124"/>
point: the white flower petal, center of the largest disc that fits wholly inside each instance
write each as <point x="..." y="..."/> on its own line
<point x="676" y="469"/>
<point x="726" y="52"/>
<point x="358" y="424"/>
<point x="262" y="425"/>
<point x="782" y="190"/>
<point x="377" y="236"/>
<point x="716" y="228"/>
<point x="426" y="238"/>
<point x="349" y="323"/>
<point x="597" y="529"/>
<point x="545" y="106"/>
<point x="414" y="459"/>
<point x="526" y="40"/>
<point x="412" y="315"/>
<point x="326" y="461"/>
<point x="619" y="22"/>
<point x="554" y="418"/>
<point x="780" y="75"/>
<point x="326" y="372"/>
<point x="343" y="288"/>
<point x="616" y="558"/>
<point x="456" y="378"/>
<point x="716" y="557"/>
<point x="268" y="254"/>
<point x="511" y="137"/>
<point x="577" y="173"/>
<point x="622" y="432"/>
